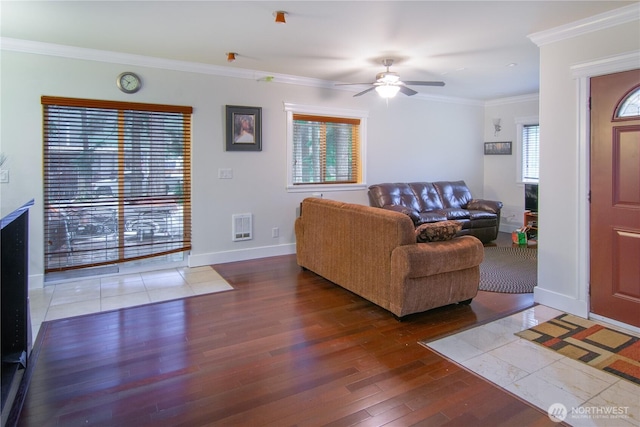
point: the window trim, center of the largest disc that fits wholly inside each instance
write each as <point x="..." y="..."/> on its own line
<point x="521" y="122"/>
<point x="291" y="109"/>
<point x="122" y="197"/>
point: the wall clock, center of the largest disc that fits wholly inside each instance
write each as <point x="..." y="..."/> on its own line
<point x="129" y="82"/>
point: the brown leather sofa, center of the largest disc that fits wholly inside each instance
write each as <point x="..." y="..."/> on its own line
<point x="440" y="201"/>
<point x="374" y="253"/>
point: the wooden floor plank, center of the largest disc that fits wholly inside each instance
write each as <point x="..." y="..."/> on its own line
<point x="285" y="347"/>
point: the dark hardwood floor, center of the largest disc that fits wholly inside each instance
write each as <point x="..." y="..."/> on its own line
<point x="285" y="348"/>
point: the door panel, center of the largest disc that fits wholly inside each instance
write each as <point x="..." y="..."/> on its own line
<point x="615" y="201"/>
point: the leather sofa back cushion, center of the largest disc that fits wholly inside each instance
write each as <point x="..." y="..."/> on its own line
<point x="454" y="194"/>
<point x="399" y="194"/>
<point x="427" y="196"/>
<point x="437" y="231"/>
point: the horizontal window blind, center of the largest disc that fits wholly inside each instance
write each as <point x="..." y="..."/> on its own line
<point x="117" y="183"/>
<point x="325" y="149"/>
<point x="530" y="152"/>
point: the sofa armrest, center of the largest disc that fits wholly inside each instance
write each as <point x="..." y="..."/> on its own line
<point x="485" y="205"/>
<point x="414" y="215"/>
<point x="427" y="259"/>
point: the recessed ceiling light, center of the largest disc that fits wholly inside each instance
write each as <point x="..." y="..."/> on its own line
<point x="513" y="64"/>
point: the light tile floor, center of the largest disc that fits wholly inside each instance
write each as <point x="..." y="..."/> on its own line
<point x="541" y="376"/>
<point x="94" y="295"/>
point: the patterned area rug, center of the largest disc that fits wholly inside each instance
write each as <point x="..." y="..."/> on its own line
<point x="588" y="342"/>
<point x="509" y="270"/>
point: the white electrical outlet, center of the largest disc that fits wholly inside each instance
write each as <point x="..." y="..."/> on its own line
<point x="4" y="176"/>
<point x="275" y="232"/>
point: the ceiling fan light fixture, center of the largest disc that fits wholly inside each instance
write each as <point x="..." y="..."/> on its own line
<point x="387" y="90"/>
<point x="280" y="16"/>
<point x="388" y="83"/>
<point x="388" y="78"/>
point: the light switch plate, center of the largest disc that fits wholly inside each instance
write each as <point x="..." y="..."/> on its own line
<point x="225" y="173"/>
<point x="4" y="176"/>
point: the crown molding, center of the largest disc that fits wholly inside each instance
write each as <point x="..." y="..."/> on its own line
<point x="598" y="22"/>
<point x="449" y="99"/>
<point x="609" y="65"/>
<point x="531" y="97"/>
<point x="71" y="52"/>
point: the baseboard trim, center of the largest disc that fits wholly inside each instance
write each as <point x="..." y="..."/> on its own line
<point x="565" y="303"/>
<point x="197" y="260"/>
<point x="36" y="281"/>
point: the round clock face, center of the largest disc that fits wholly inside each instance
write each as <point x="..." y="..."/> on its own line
<point x="128" y="82"/>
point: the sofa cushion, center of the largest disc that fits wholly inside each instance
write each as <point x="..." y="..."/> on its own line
<point x="482" y="219"/>
<point x="485" y="205"/>
<point x="414" y="215"/>
<point x="454" y="194"/>
<point x="425" y="217"/>
<point x="473" y="214"/>
<point x="466" y="224"/>
<point x="455" y="213"/>
<point x="399" y="194"/>
<point x="427" y="196"/>
<point x="437" y="231"/>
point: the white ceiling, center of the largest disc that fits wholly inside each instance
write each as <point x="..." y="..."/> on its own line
<point x="467" y="44"/>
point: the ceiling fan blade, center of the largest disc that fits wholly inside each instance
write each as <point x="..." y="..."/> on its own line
<point x="365" y="91"/>
<point x="351" y="84"/>
<point x="407" y="91"/>
<point x="419" y="83"/>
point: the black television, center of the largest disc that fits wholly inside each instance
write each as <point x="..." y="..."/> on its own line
<point x="531" y="197"/>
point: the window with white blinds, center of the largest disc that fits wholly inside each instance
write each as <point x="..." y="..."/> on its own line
<point x="117" y="183"/>
<point x="530" y="153"/>
<point x="326" y="150"/>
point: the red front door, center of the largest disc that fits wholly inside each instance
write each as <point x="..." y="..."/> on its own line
<point x="615" y="199"/>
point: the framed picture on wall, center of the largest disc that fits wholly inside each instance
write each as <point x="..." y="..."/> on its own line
<point x="244" y="128"/>
<point x="491" y="148"/>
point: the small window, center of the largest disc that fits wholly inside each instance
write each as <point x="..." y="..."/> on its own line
<point x="530" y="153"/>
<point x="630" y="106"/>
<point x="528" y="149"/>
<point x="325" y="148"/>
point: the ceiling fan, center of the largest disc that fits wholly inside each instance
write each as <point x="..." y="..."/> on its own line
<point x="388" y="83"/>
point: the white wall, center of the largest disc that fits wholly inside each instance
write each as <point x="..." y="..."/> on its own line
<point x="425" y="141"/>
<point x="408" y="139"/>
<point x="563" y="235"/>
<point x="501" y="180"/>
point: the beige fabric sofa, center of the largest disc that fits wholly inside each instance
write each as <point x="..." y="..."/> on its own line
<point x="373" y="253"/>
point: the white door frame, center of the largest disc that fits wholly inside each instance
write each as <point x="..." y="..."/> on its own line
<point x="583" y="73"/>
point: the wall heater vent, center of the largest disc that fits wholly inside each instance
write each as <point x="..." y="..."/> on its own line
<point x="242" y="227"/>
